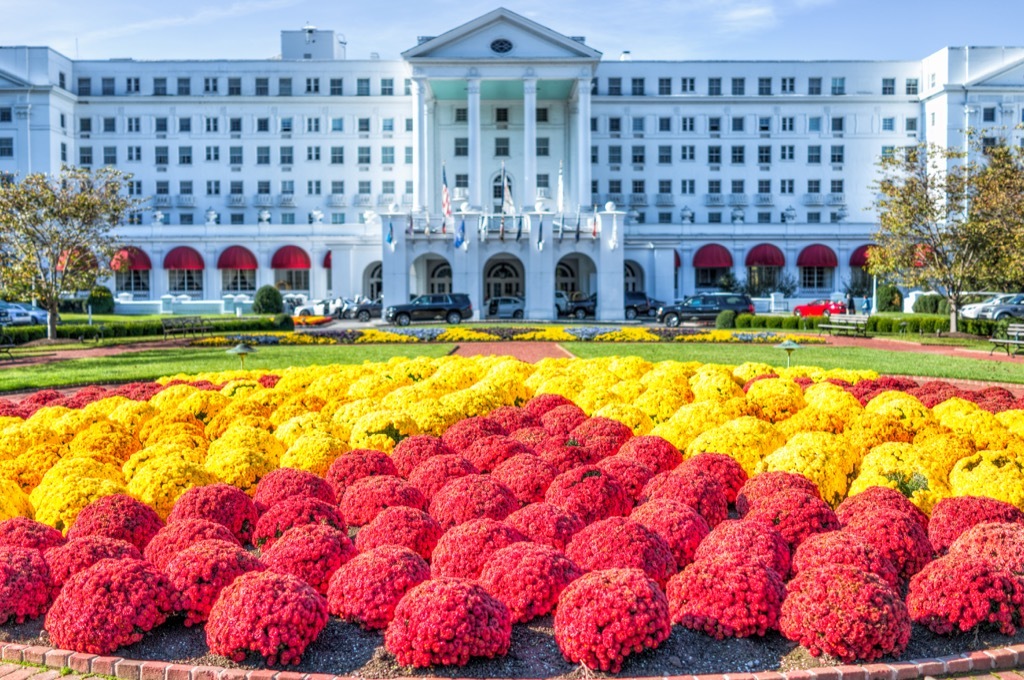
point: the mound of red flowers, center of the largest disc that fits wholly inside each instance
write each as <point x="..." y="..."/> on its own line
<point x="274" y="615"/>
<point x="729" y="474"/>
<point x="527" y="475"/>
<point x="545" y="523"/>
<point x="466" y="431"/>
<point x="654" y="453"/>
<point x="366" y="589"/>
<point x="604" y="616"/>
<point x="412" y="451"/>
<point x="25" y="586"/>
<point x="357" y="464"/>
<point x="747" y="542"/>
<point x="631" y="475"/>
<point x="219" y="503"/>
<point x="953" y="594"/>
<point x="431" y="475"/>
<point x="285" y="483"/>
<point x="177" y="536"/>
<point x="699" y="490"/>
<point x="112" y="604"/>
<point x="590" y="493"/>
<point x="401" y="526"/>
<point x="620" y="543"/>
<point x="768" y="484"/>
<point x="81" y="553"/>
<point x="448" y="621"/>
<point x="463" y="550"/>
<point x="199" y="573"/>
<point x="366" y="497"/>
<point x="22" y="532"/>
<point x="472" y="497"/>
<point x="951" y="517"/>
<point x="876" y="498"/>
<point x="795" y="514"/>
<point x="528" y="578"/>
<point x="897" y="536"/>
<point x="725" y="599"/>
<point x="1000" y="543"/>
<point x="118" y="516"/>
<point x="842" y="547"/>
<point x="680" y="525"/>
<point x="487" y="453"/>
<point x="282" y="516"/>
<point x="311" y="552"/>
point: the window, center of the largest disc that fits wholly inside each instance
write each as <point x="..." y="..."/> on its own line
<point x="501" y="147"/>
<point x="594" y="155"/>
<point x="714" y="155"/>
<point x="84" y="152"/>
<point x="615" y="186"/>
<point x="109" y="125"/>
<point x="184" y="125"/>
<point x="262" y="87"/>
<point x="338" y="187"/>
<point x="387" y="187"/>
<point x="911" y="124"/>
<point x="816" y="277"/>
<point x="664" y="186"/>
<point x="688" y="124"/>
<point x="84" y="124"/>
<point x="462" y="146"/>
<point x="787" y="85"/>
<point x="888" y="151"/>
<point x="6" y="114"/>
<point x="387" y="87"/>
<point x="638" y="155"/>
<point x="764" y="218"/>
<point x="185" y="187"/>
<point x="787" y="152"/>
<point x="739" y="155"/>
<point x="362" y="87"/>
<point x="337" y="155"/>
<point x="337" y="87"/>
<point x="888" y="86"/>
<point x="131" y="85"/>
<point x="714" y="218"/>
<point x="638" y="124"/>
<point x="838" y="86"/>
<point x="363" y="155"/>
<point x="614" y="155"/>
<point x="312" y="125"/>
<point x="212" y="124"/>
<point x="262" y="125"/>
<point x="63" y="152"/>
<point x="688" y="152"/>
<point x="184" y="87"/>
<point x="407" y="88"/>
<point x="814" y="218"/>
<point x="262" y="155"/>
<point x="107" y="87"/>
<point x="313" y="187"/>
<point x="337" y="218"/>
<point x="837" y="186"/>
<point x="737" y="123"/>
<point x="664" y="218"/>
<point x="543" y="146"/>
<point x="988" y="114"/>
<point x="287" y="125"/>
<point x="814" y="154"/>
<point x="714" y="124"/>
<point x="639" y="186"/>
<point x="738" y="186"/>
<point x="888" y="124"/>
<point x="234" y="87"/>
<point x="312" y="86"/>
<point x="593" y="124"/>
<point x="764" y="154"/>
<point x="739" y="86"/>
<point x="286" y="218"/>
<point x="387" y="157"/>
<point x="134" y="124"/>
<point x="501" y="115"/>
<point x="664" y="86"/>
<point x="209" y="85"/>
<point x="235" y="155"/>
<point x="62" y="80"/>
<point x="461" y="114"/>
<point x="838" y="153"/>
<point x="786" y="186"/>
<point x="615" y="125"/>
<point x="837" y="124"/>
<point x="714" y="87"/>
<point x="185" y="280"/>
<point x="687" y="85"/>
<point x="288" y="186"/>
<point x="287" y="155"/>
<point x="7" y="149"/>
<point x="637" y="87"/>
<point x="284" y="87"/>
<point x="84" y="87"/>
<point x="788" y="123"/>
<point x="814" y="86"/>
<point x="408" y="157"/>
<point x="312" y="153"/>
<point x="764" y="124"/>
<point x="688" y="186"/>
<point x="814" y="186"/>
<point x="664" y="124"/>
<point x="814" y="124"/>
<point x="764" y="86"/>
<point x="213" y="187"/>
<point x="615" y="86"/>
<point x="911" y="86"/>
<point x="184" y="155"/>
<point x="665" y="154"/>
<point x="161" y="155"/>
<point x="364" y="187"/>
<point x="135" y="153"/>
<point x="337" y="124"/>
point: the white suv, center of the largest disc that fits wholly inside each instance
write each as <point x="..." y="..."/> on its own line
<point x="561" y="302"/>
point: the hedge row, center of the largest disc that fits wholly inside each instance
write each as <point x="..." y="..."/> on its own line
<point x="133" y="329"/>
<point x="916" y="323"/>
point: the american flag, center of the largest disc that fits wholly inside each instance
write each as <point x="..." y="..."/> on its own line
<point x="446" y="201"/>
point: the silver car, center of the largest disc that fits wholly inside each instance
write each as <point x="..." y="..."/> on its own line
<point x="971" y="311"/>
<point x="506" y="307"/>
<point x="12" y="314"/>
<point x="1013" y="307"/>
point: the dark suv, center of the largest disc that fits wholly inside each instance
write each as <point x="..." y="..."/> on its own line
<point x="703" y="307"/>
<point x="637" y="304"/>
<point x="452" y="307"/>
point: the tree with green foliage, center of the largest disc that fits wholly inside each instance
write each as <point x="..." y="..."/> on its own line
<point x="268" y="300"/>
<point x="58" y="233"/>
<point x="950" y="220"/>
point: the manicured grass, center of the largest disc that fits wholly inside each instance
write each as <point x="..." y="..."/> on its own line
<point x="895" y="363"/>
<point x="148" y="365"/>
<point x="126" y="318"/>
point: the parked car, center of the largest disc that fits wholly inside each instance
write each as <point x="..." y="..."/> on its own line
<point x="366" y="310"/>
<point x="561" y="303"/>
<point x="582" y="306"/>
<point x="38" y="315"/>
<point x="1013" y="307"/>
<point x="506" y="307"/>
<point x="637" y="304"/>
<point x="704" y="307"/>
<point x="451" y="307"/>
<point x="820" y="308"/>
<point x="653" y="307"/>
<point x="971" y="311"/>
<point x="13" y="315"/>
<point x="321" y="308"/>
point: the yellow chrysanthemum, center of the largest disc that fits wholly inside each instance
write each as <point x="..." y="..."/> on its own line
<point x="381" y="430"/>
<point x="314" y="453"/>
<point x="160" y="482"/>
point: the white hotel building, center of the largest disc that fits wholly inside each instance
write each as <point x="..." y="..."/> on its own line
<point x="293" y="171"/>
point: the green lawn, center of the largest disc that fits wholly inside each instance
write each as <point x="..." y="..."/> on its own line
<point x="148" y="365"/>
<point x="896" y="363"/>
<point x="126" y="318"/>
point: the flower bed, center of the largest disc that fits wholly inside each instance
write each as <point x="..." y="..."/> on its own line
<point x="498" y="491"/>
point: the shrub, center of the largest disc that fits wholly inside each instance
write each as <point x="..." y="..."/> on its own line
<point x="293" y="513"/>
<point x="542" y="403"/>
<point x="620" y="543"/>
<point x="365" y="498"/>
<point x="725" y="319"/>
<point x="700" y="491"/>
<point x="590" y="493"/>
<point x="678" y="524"/>
<point x="412" y="451"/>
<point x="431" y="475"/>
<point x="202" y="570"/>
<point x="565" y="453"/>
<point x="268" y="300"/>
<point x="118" y="516"/>
<point x="311" y="552"/>
<point x="652" y="452"/>
<point x="177" y="536"/>
<point x="112" y="604"/>
<point x="1000" y="543"/>
<point x="953" y="595"/>
<point x="22" y="532"/>
<point x="286" y="483"/>
<point x="355" y="465"/>
<point x="896" y="536"/>
<point x="513" y="418"/>
<point x="562" y="420"/>
<point x="841" y="547"/>
<point x="927" y="304"/>
<point x="487" y="453"/>
<point x="219" y="503"/>
<point x="759" y="321"/>
<point x="744" y="320"/>
<point x="874" y="498"/>
<point x="545" y="523"/>
<point x="729" y="474"/>
<point x="632" y="475"/>
<point x="25" y="586"/>
<point x="274" y="615"/>
<point x="366" y="589"/>
<point x="890" y="299"/>
<point x="790" y="323"/>
<point x="528" y="477"/>
<point x="79" y="554"/>
<point x="419" y="635"/>
<point x="528" y="578"/>
<point x="462" y="550"/>
<point x="768" y="484"/>
<point x="773" y="321"/>
<point x="951" y="517"/>
<point x="472" y="497"/>
<point x="746" y="542"/>
<point x="796" y="515"/>
<point x="401" y="526"/>
<point x="101" y="300"/>
<point x="283" y="322"/>
<point x="620" y="600"/>
<point x="596" y="427"/>
<point x="468" y="430"/>
<point x="724" y="599"/>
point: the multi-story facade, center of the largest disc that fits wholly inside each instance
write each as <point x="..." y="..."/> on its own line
<point x="322" y="174"/>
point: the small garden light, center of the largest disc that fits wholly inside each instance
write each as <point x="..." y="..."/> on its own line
<point x="789" y="346"/>
<point x="242" y="349"/>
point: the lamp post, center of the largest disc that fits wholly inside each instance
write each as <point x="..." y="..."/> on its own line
<point x="789" y="347"/>
<point x="241" y="350"/>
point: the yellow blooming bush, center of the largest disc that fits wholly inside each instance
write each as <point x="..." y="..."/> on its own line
<point x="245" y="438"/>
<point x="159" y="483"/>
<point x="373" y="335"/>
<point x="465" y="335"/>
<point x="630" y="334"/>
<point x="821" y="457"/>
<point x="104" y="441"/>
<point x="660" y="404"/>
<point x="239" y="466"/>
<point x="27" y="469"/>
<point x="313" y="452"/>
<point x="204" y="404"/>
<point x="13" y="501"/>
<point x="714" y="384"/>
<point x="776" y="398"/>
<point x="290" y="430"/>
<point x="547" y="334"/>
<point x="747" y="439"/>
<point x="381" y="430"/>
<point x="911" y="413"/>
<point x="749" y="370"/>
<point x="628" y="414"/>
<point x="996" y="474"/>
<point x="167" y="422"/>
<point x="167" y="449"/>
<point x="60" y="504"/>
<point x="906" y="468"/>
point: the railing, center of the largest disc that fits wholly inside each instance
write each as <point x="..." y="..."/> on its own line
<point x="286" y="200"/>
<point x="162" y="201"/>
<point x="236" y="201"/>
<point x="362" y="200"/>
<point x="385" y="199"/>
<point x="737" y="199"/>
<point x="814" y="199"/>
<point x="764" y="199"/>
<point x="186" y="201"/>
<point x="837" y="199"/>
<point x="714" y="199"/>
<point x="667" y="200"/>
<point x="263" y="200"/>
<point x="638" y="199"/>
<point x="336" y="200"/>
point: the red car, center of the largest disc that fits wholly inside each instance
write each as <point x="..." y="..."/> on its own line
<point x="820" y="308"/>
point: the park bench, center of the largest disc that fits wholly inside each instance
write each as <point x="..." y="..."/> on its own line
<point x="6" y="344"/>
<point x="1014" y="338"/>
<point x="846" y="323"/>
<point x="183" y="325"/>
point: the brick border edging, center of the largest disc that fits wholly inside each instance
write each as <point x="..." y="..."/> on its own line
<point x="1000" y="658"/>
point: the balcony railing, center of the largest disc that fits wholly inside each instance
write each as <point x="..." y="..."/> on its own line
<point x="385" y="199"/>
<point x="162" y="201"/>
<point x="186" y="201"/>
<point x="738" y="199"/>
<point x="336" y="201"/>
<point x="286" y="200"/>
<point x="666" y="200"/>
<point x="614" y="198"/>
<point x="837" y="199"/>
<point x="814" y="199"/>
<point x="361" y="200"/>
<point x="714" y="199"/>
<point x="638" y="199"/>
<point x="236" y="201"/>
<point x="263" y="200"/>
<point x="764" y="199"/>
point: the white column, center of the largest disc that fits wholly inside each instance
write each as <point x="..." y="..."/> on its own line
<point x="419" y="150"/>
<point x="583" y="142"/>
<point x="476" y="181"/>
<point x="529" y="182"/>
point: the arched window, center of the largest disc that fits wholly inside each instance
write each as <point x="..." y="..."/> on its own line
<point x="441" y="279"/>
<point x="565" y="278"/>
<point x="632" y="280"/>
<point x="503" y="279"/>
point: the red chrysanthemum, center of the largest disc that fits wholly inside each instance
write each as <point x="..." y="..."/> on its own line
<point x="487" y="453"/>
<point x="199" y="572"/>
<point x="446" y="622"/>
<point x="875" y="498"/>
<point x="311" y="552"/>
<point x="590" y="493"/>
<point x="700" y="491"/>
<point x="565" y="453"/>
<point x="367" y="588"/>
<point x="846" y="612"/>
<point x="679" y="524"/>
<point x="25" y="586"/>
<point x="472" y="497"/>
<point x="1000" y="543"/>
<point x="897" y="536"/>
<point x="468" y="430"/>
<point x="412" y="451"/>
<point x="401" y="526"/>
<point x="528" y="578"/>
<point x="293" y="513"/>
<point x="274" y="615"/>
<point x="605" y="616"/>
<point x="768" y="484"/>
<point x="22" y="532"/>
<point x="795" y="514"/>
<point x="530" y="436"/>
<point x="652" y="452"/>
<point x="543" y="403"/>
<point x="112" y="604"/>
<point x="724" y="599"/>
<point x="356" y="464"/>
<point x="117" y="516"/>
<point x="79" y="554"/>
<point x="597" y="427"/>
<point x="513" y="418"/>
<point x="462" y="550"/>
<point x="953" y="516"/>
<point x="730" y="474"/>
<point x="284" y="484"/>
<point x="431" y="475"/>
<point x="561" y="420"/>
<point x="620" y="543"/>
<point x="632" y="475"/>
<point x="528" y="476"/>
<point x="953" y="595"/>
<point x="177" y="536"/>
<point x="746" y="541"/>
<point x="843" y="547"/>
<point x="546" y="523"/>
<point x="365" y="498"/>
<point x="219" y="503"/>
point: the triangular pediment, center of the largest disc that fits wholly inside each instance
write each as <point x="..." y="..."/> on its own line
<point x="1009" y="75"/>
<point x="501" y="35"/>
<point x="9" y="81"/>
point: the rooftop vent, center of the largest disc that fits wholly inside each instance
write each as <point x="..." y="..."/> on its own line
<point x="424" y="38"/>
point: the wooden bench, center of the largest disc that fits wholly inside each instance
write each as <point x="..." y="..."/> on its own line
<point x="846" y="323"/>
<point x="6" y="344"/>
<point x="1014" y="338"/>
<point x="183" y="325"/>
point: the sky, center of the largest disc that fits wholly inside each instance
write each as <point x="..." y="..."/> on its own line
<point x="667" y="29"/>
